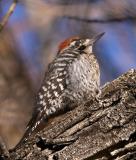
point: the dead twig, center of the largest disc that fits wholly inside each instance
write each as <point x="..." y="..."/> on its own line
<point x="8" y="14"/>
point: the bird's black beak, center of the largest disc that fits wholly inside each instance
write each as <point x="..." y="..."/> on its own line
<point x="97" y="37"/>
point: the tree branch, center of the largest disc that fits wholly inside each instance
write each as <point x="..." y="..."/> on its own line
<point x="108" y="20"/>
<point x="99" y="129"/>
<point x="8" y="14"/>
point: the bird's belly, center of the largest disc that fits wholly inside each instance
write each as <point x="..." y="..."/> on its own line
<point x="84" y="89"/>
<point x="84" y="81"/>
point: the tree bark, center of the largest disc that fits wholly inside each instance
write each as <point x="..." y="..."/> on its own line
<point x="101" y="129"/>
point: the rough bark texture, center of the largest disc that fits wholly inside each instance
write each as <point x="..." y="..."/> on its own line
<point x="100" y="129"/>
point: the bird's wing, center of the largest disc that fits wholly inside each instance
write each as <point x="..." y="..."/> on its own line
<point x="49" y="98"/>
<point x="53" y="87"/>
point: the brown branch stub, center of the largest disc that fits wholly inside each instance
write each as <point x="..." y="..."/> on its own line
<point x="8" y="14"/>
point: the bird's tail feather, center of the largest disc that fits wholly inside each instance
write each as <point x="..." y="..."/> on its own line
<point x="28" y="131"/>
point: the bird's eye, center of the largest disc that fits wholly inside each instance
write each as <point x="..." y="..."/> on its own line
<point x="77" y="43"/>
<point x="82" y="47"/>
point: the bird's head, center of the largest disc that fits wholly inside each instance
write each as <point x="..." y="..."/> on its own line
<point x="81" y="44"/>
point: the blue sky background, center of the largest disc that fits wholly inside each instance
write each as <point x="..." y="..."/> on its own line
<point x="116" y="51"/>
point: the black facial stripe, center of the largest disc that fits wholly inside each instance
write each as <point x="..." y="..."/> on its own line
<point x="82" y="47"/>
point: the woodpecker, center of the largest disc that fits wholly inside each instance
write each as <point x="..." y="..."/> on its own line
<point x="72" y="77"/>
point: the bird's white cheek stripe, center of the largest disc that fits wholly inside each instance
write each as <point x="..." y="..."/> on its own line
<point x="89" y="49"/>
<point x="87" y="41"/>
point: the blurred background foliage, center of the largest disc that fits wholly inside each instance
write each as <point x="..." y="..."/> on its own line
<point x="29" y="42"/>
